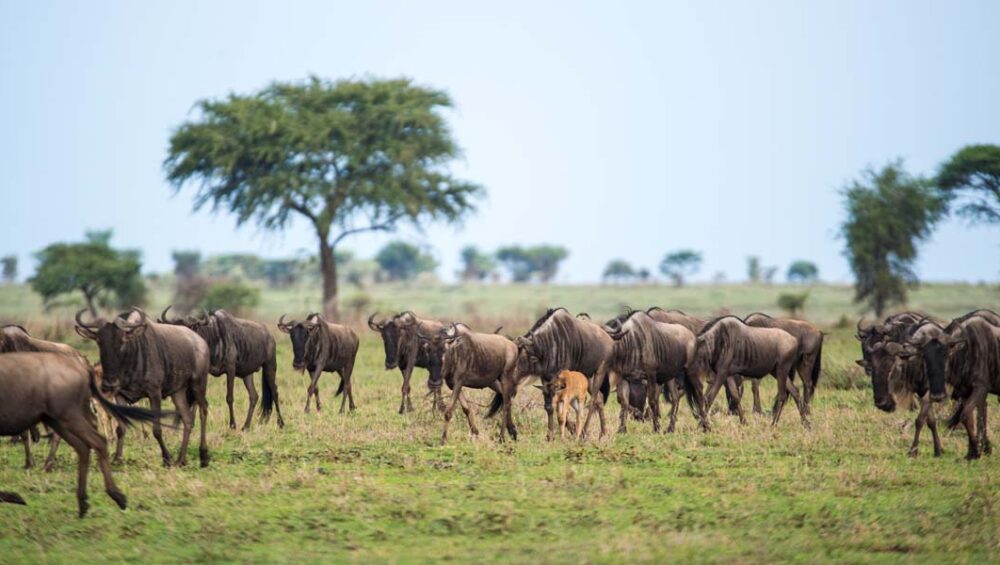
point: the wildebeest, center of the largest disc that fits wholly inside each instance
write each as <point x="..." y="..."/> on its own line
<point x="318" y="346"/>
<point x="661" y="352"/>
<point x="15" y="338"/>
<point x="143" y="359"/>
<point x="810" y="356"/>
<point x="559" y="341"/>
<point x="872" y="338"/>
<point x="729" y="347"/>
<point x="53" y="389"/>
<point x="915" y="373"/>
<point x="972" y="368"/>
<point x="570" y="390"/>
<point x="238" y="348"/>
<point x="405" y="350"/>
<point x="476" y="360"/>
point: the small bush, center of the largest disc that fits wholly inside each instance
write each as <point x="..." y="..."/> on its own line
<point x="236" y="297"/>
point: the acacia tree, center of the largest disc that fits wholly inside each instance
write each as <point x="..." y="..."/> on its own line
<point x="348" y="156"/>
<point x="100" y="273"/>
<point x="618" y="270"/>
<point x="679" y="265"/>
<point x="476" y="265"/>
<point x="802" y="272"/>
<point x="975" y="172"/>
<point x="888" y="213"/>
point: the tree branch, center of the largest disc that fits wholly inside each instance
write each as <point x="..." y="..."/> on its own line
<point x="384" y="226"/>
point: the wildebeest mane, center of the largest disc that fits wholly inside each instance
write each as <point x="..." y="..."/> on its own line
<point x="991" y="318"/>
<point x="544" y="318"/>
<point x="319" y="345"/>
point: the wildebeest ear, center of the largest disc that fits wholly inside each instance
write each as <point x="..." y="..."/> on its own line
<point x="861" y="362"/>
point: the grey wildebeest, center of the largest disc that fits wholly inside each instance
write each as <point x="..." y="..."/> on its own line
<point x="663" y="354"/>
<point x="318" y="346"/>
<point x="476" y="360"/>
<point x="900" y="361"/>
<point x="559" y="341"/>
<point x="143" y="359"/>
<point x="405" y="350"/>
<point x="972" y="368"/>
<point x="810" y="355"/>
<point x="238" y="348"/>
<point x="56" y="390"/>
<point x="728" y="347"/>
<point x="15" y="338"/>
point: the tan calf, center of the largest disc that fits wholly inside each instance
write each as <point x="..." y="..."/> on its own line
<point x="570" y="389"/>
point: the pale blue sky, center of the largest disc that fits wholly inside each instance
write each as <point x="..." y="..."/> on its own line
<point x="618" y="129"/>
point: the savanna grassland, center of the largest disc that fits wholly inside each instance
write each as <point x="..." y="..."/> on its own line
<point x="377" y="486"/>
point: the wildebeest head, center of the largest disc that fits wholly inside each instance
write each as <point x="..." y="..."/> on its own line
<point x="528" y="357"/>
<point x="392" y="331"/>
<point x="206" y="326"/>
<point x="299" y="332"/>
<point x="113" y="342"/>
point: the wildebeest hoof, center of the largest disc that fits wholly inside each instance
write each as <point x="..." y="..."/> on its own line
<point x="912" y="452"/>
<point x="49" y="466"/>
<point x="938" y="453"/>
<point x="119" y="499"/>
<point x="204" y="458"/>
<point x="281" y="422"/>
<point x="232" y="426"/>
<point x="971" y="456"/>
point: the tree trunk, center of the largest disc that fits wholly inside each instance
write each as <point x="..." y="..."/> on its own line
<point x="328" y="266"/>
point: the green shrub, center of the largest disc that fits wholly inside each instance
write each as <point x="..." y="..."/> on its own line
<point x="235" y="297"/>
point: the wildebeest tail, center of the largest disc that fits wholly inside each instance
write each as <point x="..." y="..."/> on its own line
<point x="269" y="395"/>
<point x="694" y="395"/>
<point x="495" y="405"/>
<point x="126" y="415"/>
<point x="956" y="416"/>
<point x="817" y="367"/>
<point x="11" y="498"/>
<point x="340" y="388"/>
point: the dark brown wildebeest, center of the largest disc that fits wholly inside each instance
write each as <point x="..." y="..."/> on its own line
<point x="558" y="341"/>
<point x="972" y="368"/>
<point x="873" y="338"/>
<point x="14" y="338"/>
<point x="320" y="346"/>
<point x="660" y="352"/>
<point x="892" y="360"/>
<point x="56" y="390"/>
<point x="810" y="361"/>
<point x="143" y="359"/>
<point x="405" y="350"/>
<point x="238" y="348"/>
<point x="728" y="347"/>
<point x="476" y="360"/>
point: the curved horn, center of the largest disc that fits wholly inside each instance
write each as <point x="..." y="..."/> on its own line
<point x="128" y="326"/>
<point x="375" y="326"/>
<point x="282" y="325"/>
<point x="82" y="324"/>
<point x="163" y="316"/>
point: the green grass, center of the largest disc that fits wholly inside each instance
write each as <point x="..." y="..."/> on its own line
<point x="374" y="485"/>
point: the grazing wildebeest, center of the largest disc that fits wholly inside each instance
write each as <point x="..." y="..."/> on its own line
<point x="915" y="373"/>
<point x="14" y="338"/>
<point x="972" y="368"/>
<point x="56" y="390"/>
<point x="143" y="359"/>
<point x="729" y="347"/>
<point x="238" y="348"/>
<point x="405" y="350"/>
<point x="558" y="341"/>
<point x="476" y="360"/>
<point x="810" y="361"/>
<point x="662" y="353"/>
<point x="320" y="346"/>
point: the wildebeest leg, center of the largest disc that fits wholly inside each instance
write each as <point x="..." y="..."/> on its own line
<point x="562" y="408"/>
<point x="932" y="424"/>
<point x="50" y="461"/>
<point x="800" y="402"/>
<point x="755" y="387"/>
<point x="547" y="397"/>
<point x="230" y="384"/>
<point x="508" y="388"/>
<point x="468" y="414"/>
<point x="29" y="461"/>
<point x="981" y="429"/>
<point x="719" y="380"/>
<point x="596" y="401"/>
<point x="653" y="400"/>
<point x="779" y="401"/>
<point x="623" y="404"/>
<point x="254" y="397"/>
<point x="737" y="400"/>
<point x="455" y="394"/>
<point x="268" y="380"/>
<point x="673" y="394"/>
<point x="404" y="400"/>
<point x="154" y="405"/>
<point x="187" y="417"/>
<point x="92" y="438"/>
<point x="201" y="399"/>
<point x="970" y="430"/>
<point x="314" y="388"/>
<point x="925" y="405"/>
<point x="346" y="374"/>
<point x="82" y="467"/>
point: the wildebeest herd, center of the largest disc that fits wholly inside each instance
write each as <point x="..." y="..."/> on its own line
<point x="640" y="353"/>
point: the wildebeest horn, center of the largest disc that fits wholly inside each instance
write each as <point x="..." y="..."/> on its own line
<point x="163" y="316"/>
<point x="375" y="326"/>
<point x="282" y="325"/>
<point x="129" y="326"/>
<point x="496" y="331"/>
<point x="82" y="324"/>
